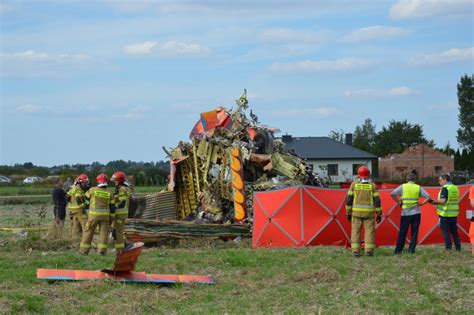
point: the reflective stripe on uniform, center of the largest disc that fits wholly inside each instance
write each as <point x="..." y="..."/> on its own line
<point x="83" y="245"/>
<point x="99" y="211"/>
<point x="355" y="245"/>
<point x="410" y="195"/>
<point x="119" y="245"/>
<point x="451" y="207"/>
<point x="121" y="211"/>
<point x="102" y="246"/>
<point x="369" y="246"/>
<point x="363" y="208"/>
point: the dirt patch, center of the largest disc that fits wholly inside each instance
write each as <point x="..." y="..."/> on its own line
<point x="325" y="275"/>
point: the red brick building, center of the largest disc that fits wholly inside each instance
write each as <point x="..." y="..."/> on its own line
<point x="426" y="161"/>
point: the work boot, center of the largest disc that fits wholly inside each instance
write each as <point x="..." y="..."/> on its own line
<point x="356" y="254"/>
<point x="83" y="253"/>
<point x="371" y="253"/>
<point x="102" y="253"/>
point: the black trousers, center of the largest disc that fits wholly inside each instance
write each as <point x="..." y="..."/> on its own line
<point x="449" y="227"/>
<point x="60" y="212"/>
<point x="405" y="222"/>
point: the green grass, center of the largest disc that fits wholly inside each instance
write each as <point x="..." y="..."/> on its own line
<point x="294" y="280"/>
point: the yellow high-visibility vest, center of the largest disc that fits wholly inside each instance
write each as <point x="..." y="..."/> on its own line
<point x="451" y="207"/>
<point x="410" y="195"/>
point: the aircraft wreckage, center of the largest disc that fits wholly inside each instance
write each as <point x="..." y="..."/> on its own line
<point x="213" y="176"/>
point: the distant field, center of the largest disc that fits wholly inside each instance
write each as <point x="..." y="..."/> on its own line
<point x="316" y="280"/>
<point x="34" y="190"/>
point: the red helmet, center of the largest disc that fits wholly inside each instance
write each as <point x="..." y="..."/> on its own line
<point x="101" y="178"/>
<point x="82" y="178"/>
<point x="363" y="172"/>
<point x="119" y="177"/>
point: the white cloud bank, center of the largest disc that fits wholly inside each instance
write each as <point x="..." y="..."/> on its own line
<point x="314" y="66"/>
<point x="29" y="109"/>
<point x="395" y="91"/>
<point x="171" y="47"/>
<point x="286" y="35"/>
<point x="376" y="32"/>
<point x="31" y="63"/>
<point x="410" y="9"/>
<point x="447" y="56"/>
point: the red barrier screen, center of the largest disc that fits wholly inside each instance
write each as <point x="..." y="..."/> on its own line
<point x="309" y="216"/>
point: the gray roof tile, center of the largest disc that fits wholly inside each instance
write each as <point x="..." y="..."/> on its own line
<point x="324" y="148"/>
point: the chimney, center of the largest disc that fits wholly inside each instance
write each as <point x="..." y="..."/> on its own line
<point x="349" y="139"/>
<point x="286" y="138"/>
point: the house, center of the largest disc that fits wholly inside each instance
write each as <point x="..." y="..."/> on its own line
<point x="422" y="159"/>
<point x="329" y="158"/>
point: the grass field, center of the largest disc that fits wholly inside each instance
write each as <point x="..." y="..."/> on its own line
<point x="302" y="280"/>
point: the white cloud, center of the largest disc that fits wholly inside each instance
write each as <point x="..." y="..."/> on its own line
<point x="307" y="112"/>
<point x="395" y="91"/>
<point x="171" y="48"/>
<point x="281" y="35"/>
<point x="29" y="109"/>
<point x="140" y="48"/>
<point x="135" y="113"/>
<point x="30" y="64"/>
<point x="409" y="9"/>
<point x="448" y="56"/>
<point x="376" y="32"/>
<point x="312" y="66"/>
<point x="175" y="47"/>
<point x="31" y="55"/>
<point x="442" y="107"/>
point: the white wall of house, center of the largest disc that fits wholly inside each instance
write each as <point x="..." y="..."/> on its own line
<point x="344" y="168"/>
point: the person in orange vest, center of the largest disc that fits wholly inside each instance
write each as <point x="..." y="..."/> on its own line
<point x="362" y="207"/>
<point x="102" y="204"/>
<point x="471" y="228"/>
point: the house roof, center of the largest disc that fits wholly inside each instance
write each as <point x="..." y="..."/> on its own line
<point x="323" y="148"/>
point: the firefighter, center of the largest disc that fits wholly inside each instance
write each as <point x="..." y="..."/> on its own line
<point x="101" y="207"/>
<point x="76" y="206"/>
<point x="363" y="202"/>
<point x="122" y="202"/>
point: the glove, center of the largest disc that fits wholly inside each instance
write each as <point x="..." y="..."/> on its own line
<point x="349" y="217"/>
<point x="378" y="219"/>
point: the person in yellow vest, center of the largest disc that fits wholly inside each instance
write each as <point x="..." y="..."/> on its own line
<point x="76" y="206"/>
<point x="363" y="202"/>
<point x="471" y="228"/>
<point x="122" y="202"/>
<point x="407" y="197"/>
<point x="448" y="211"/>
<point x="101" y="207"/>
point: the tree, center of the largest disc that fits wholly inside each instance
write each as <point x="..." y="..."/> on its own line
<point x="399" y="136"/>
<point x="364" y="136"/>
<point x="337" y="134"/>
<point x="465" y="134"/>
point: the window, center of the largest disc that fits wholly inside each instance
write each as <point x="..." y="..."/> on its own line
<point x="333" y="169"/>
<point x="438" y="169"/>
<point x="355" y="168"/>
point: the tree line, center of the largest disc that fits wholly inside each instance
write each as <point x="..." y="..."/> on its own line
<point x="142" y="173"/>
<point x="398" y="136"/>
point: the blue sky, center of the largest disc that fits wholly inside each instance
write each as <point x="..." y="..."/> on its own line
<point x="85" y="81"/>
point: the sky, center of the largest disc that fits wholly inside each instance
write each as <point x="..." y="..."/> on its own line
<point x="84" y="81"/>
